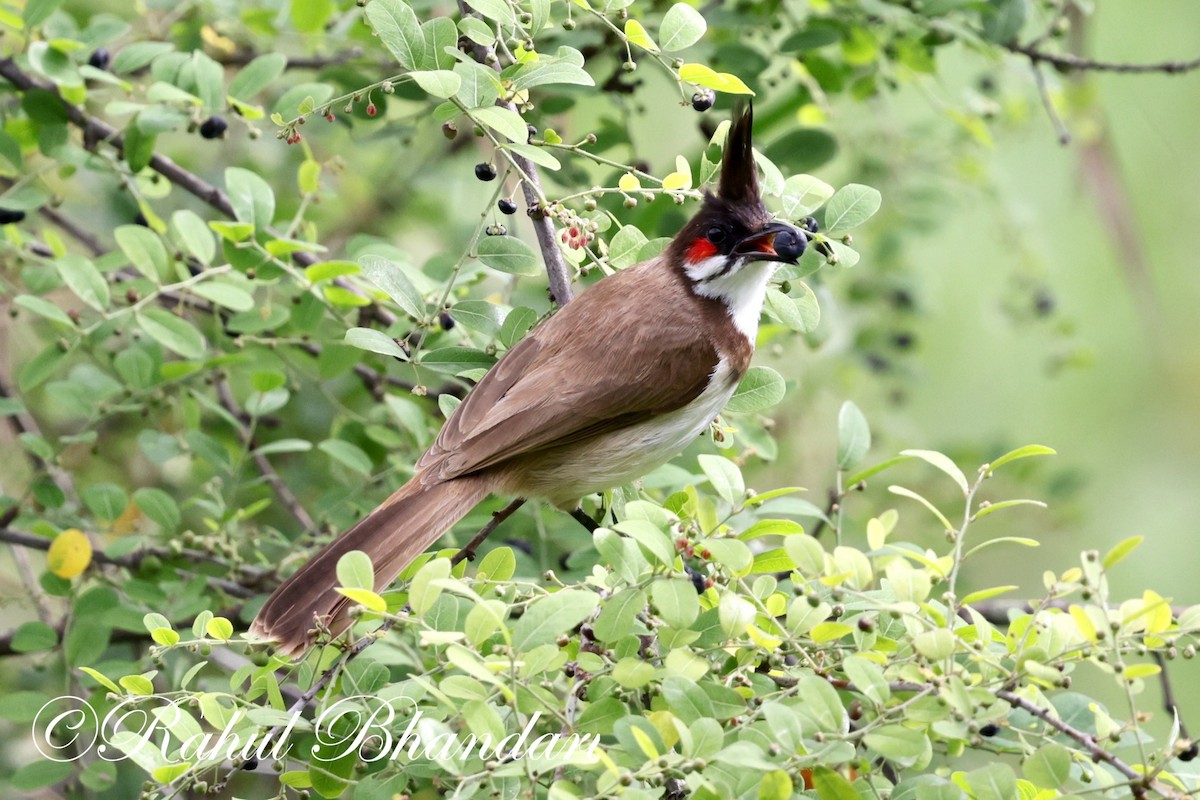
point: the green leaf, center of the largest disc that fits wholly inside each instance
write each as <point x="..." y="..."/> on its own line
<point x="775" y="785"/>
<point x="424" y="589"/>
<point x="439" y="34"/>
<point x="158" y="506"/>
<point x="701" y="75"/>
<point x="170" y="772"/>
<point x="996" y="781"/>
<point x="725" y="477"/>
<point x="391" y="279"/>
<point x="508" y="254"/>
<point x="193" y="233"/>
<point x="376" y="341"/>
<point x="498" y="565"/>
<point x="252" y="198"/>
<point x="868" y="678"/>
<point x="145" y="249"/>
<point x="624" y="246"/>
<point x="38" y="773"/>
<point x="503" y="121"/>
<point x="650" y="537"/>
<point x="258" y="74"/>
<point x="136" y="55"/>
<point x="636" y="34"/>
<point x="355" y="571"/>
<point x="347" y="454"/>
<point x="497" y="10"/>
<point x="1021" y="452"/>
<point x="830" y="785"/>
<point x="676" y="601"/>
<point x="439" y="83"/>
<point x="82" y="278"/>
<point x="1121" y="550"/>
<point x="942" y="462"/>
<point x="617" y="617"/>
<point x="854" y="435"/>
<point x="478" y="315"/>
<point x="32" y="636"/>
<point x="39" y="368"/>
<point x="760" y="388"/>
<point x="551" y="616"/>
<point x="1049" y="767"/>
<point x="224" y="294"/>
<point x="310" y="16"/>
<point x="365" y="598"/>
<point x="896" y="742"/>
<point x="804" y="194"/>
<point x="851" y="206"/>
<point x="935" y="645"/>
<point x="682" y="26"/>
<point x="43" y="308"/>
<point x="399" y="30"/>
<point x="1003" y="20"/>
<point x="517" y="323"/>
<point x="219" y="628"/>
<point x="172" y="332"/>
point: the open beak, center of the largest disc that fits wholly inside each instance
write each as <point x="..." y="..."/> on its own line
<point x="777" y="241"/>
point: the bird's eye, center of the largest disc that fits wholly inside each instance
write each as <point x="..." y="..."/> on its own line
<point x="716" y="234"/>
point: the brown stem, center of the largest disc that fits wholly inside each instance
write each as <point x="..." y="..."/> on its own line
<point x="468" y="552"/>
<point x="531" y="188"/>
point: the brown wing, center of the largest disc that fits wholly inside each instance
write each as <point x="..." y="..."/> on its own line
<point x="620" y="353"/>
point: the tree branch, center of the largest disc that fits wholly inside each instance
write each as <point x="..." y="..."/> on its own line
<point x="96" y="130"/>
<point x="531" y="188"/>
<point x="1068" y="63"/>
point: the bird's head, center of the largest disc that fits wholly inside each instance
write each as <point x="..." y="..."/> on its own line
<point x="733" y="228"/>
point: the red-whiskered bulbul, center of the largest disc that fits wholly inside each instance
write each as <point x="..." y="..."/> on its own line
<point x="611" y="387"/>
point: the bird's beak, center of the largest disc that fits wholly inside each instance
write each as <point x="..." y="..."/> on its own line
<point x="777" y="241"/>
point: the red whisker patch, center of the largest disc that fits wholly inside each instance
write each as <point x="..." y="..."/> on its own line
<point x="701" y="249"/>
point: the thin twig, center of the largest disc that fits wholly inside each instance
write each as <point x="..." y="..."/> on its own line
<point x="1060" y="127"/>
<point x="23" y="422"/>
<point x="277" y="484"/>
<point x="133" y="560"/>
<point x="1068" y="62"/>
<point x="1173" y="707"/>
<point x="468" y="552"/>
<point x="531" y="188"/>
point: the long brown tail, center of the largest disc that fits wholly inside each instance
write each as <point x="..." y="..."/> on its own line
<point x="393" y="535"/>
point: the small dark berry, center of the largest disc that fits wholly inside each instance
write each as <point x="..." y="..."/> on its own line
<point x="8" y="217"/>
<point x="1191" y="753"/>
<point x="789" y="245"/>
<point x="485" y="172"/>
<point x="903" y="341"/>
<point x="703" y="100"/>
<point x="507" y="206"/>
<point x="990" y="729"/>
<point x="445" y="320"/>
<point x="99" y="58"/>
<point x="213" y="128"/>
<point x="1043" y="303"/>
<point x="810" y="224"/>
<point x="449" y="130"/>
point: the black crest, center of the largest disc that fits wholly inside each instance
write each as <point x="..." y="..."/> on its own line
<point x="739" y="175"/>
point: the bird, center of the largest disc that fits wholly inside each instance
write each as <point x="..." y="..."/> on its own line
<point x="610" y="387"/>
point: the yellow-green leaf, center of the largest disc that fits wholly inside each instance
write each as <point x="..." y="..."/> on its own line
<point x="701" y="75"/>
<point x="636" y="34"/>
<point x="364" y="598"/>
<point x="676" y="180"/>
<point x="629" y="183"/>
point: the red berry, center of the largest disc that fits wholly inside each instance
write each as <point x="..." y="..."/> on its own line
<point x="329" y="116"/>
<point x="371" y="110"/>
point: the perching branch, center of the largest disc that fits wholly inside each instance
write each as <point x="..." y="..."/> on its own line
<point x="531" y="188"/>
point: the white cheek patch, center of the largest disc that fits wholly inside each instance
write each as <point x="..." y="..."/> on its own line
<point x="706" y="268"/>
<point x="743" y="290"/>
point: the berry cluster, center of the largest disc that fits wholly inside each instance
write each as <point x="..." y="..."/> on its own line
<point x="576" y="237"/>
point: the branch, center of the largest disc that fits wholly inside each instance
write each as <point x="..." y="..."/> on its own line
<point x="531" y="188"/>
<point x="23" y="422"/>
<point x="96" y="130"/>
<point x="468" y="552"/>
<point x="281" y="489"/>
<point x="241" y="589"/>
<point x="1066" y="62"/>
